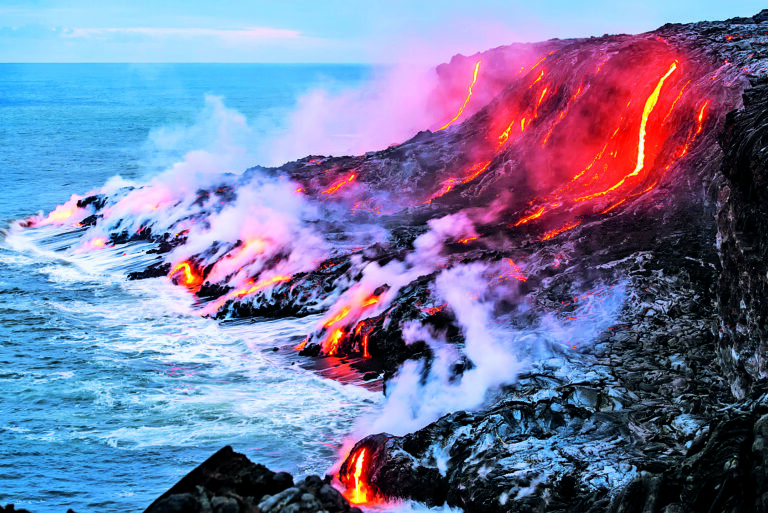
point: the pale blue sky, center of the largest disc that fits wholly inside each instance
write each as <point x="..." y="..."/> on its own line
<point x="317" y="31"/>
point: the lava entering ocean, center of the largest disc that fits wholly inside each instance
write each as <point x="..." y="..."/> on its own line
<point x="449" y="256"/>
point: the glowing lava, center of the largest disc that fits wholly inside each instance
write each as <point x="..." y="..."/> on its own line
<point x="334" y="188"/>
<point x="362" y="494"/>
<point x="189" y="277"/>
<point x="650" y="103"/>
<point x="469" y="95"/>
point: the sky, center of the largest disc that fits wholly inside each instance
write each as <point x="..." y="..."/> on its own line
<point x="354" y="31"/>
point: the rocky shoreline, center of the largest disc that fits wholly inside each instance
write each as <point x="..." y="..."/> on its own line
<point x="662" y="409"/>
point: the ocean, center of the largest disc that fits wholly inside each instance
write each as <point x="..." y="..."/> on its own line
<point x="111" y="390"/>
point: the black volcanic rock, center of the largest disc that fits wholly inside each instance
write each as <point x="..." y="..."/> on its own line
<point x="228" y="482"/>
<point x="742" y="222"/>
<point x="662" y="411"/>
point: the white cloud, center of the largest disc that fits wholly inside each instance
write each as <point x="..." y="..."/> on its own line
<point x="241" y="34"/>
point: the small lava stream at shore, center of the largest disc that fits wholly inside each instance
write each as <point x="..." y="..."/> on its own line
<point x="111" y="391"/>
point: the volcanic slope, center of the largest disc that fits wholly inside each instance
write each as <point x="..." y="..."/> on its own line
<point x="537" y="278"/>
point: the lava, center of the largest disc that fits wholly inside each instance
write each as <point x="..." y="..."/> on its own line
<point x="362" y="494"/>
<point x="189" y="277"/>
<point x="700" y="119"/>
<point x="334" y="188"/>
<point x="333" y="341"/>
<point x="469" y="95"/>
<point x="514" y="271"/>
<point x="538" y="213"/>
<point x="650" y="103"/>
<point x="476" y="171"/>
<point x="251" y="287"/>
<point x="557" y="231"/>
<point x="356" y="308"/>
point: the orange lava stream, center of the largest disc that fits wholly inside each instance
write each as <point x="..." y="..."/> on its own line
<point x="700" y="126"/>
<point x="343" y="313"/>
<point x="251" y="287"/>
<point x="537" y="214"/>
<point x="476" y="171"/>
<point x="261" y="284"/>
<point x="190" y="278"/>
<point x="677" y="99"/>
<point x="469" y="95"/>
<point x="361" y="492"/>
<point x="650" y="103"/>
<point x="514" y="272"/>
<point x="554" y="233"/>
<point x="333" y="341"/>
<point x="334" y="188"/>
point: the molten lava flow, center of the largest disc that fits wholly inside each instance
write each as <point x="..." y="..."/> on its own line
<point x="344" y="317"/>
<point x="365" y="346"/>
<point x="250" y="288"/>
<point x="469" y="95"/>
<point x="465" y="240"/>
<point x="554" y="233"/>
<point x="343" y="313"/>
<point x="261" y="284"/>
<point x="333" y="341"/>
<point x="700" y="125"/>
<point x="677" y="99"/>
<point x="476" y="171"/>
<point x="650" y="103"/>
<point x="362" y="494"/>
<point x="531" y="217"/>
<point x="434" y="309"/>
<point x="189" y="276"/>
<point x="334" y="188"/>
<point x="514" y="271"/>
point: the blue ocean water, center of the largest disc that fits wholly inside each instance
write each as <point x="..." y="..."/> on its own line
<point x="111" y="390"/>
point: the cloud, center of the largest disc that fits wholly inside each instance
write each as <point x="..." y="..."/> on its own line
<point x="238" y="35"/>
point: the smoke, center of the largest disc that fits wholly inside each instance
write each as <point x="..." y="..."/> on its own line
<point x="499" y="352"/>
<point x="220" y="139"/>
<point x="388" y="109"/>
<point x="428" y="255"/>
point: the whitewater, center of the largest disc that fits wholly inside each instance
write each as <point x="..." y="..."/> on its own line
<point x="111" y="390"/>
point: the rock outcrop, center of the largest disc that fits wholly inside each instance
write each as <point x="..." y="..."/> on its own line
<point x="228" y="482"/>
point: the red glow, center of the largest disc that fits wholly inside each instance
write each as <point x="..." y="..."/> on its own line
<point x="469" y="95"/>
<point x="333" y="341"/>
<point x="541" y="76"/>
<point x="361" y="493"/>
<point x="514" y="271"/>
<point x="677" y="99"/>
<point x="435" y="309"/>
<point x="608" y="209"/>
<point x="301" y="345"/>
<point x="700" y="125"/>
<point x="531" y="217"/>
<point x="343" y="313"/>
<point x="334" y="188"/>
<point x="554" y="233"/>
<point x="261" y="284"/>
<point x="467" y="239"/>
<point x="650" y="103"/>
<point x="476" y="171"/>
<point x="189" y="277"/>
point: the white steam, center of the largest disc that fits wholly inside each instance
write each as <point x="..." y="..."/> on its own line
<point x="499" y="353"/>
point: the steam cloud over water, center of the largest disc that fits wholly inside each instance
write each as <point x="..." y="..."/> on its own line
<point x="443" y="255"/>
